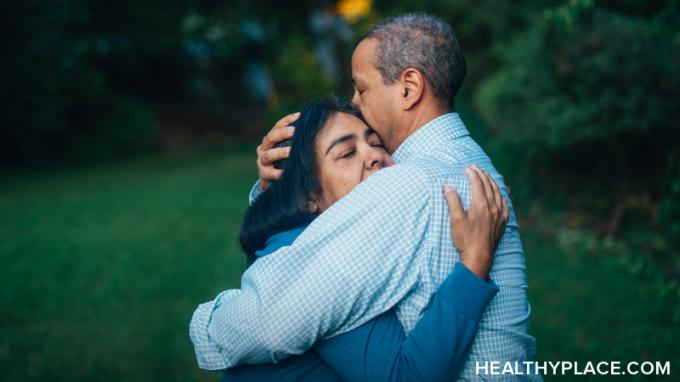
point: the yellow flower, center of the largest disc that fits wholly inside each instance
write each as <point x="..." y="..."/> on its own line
<point x="352" y="9"/>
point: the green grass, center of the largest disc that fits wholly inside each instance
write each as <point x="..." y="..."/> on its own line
<point x="589" y="306"/>
<point x="103" y="266"/>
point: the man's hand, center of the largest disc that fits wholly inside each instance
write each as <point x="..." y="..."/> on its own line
<point x="476" y="233"/>
<point x="267" y="153"/>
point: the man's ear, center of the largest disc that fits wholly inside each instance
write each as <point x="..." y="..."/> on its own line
<point x="413" y="87"/>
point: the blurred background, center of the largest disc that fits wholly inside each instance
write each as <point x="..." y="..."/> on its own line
<point x="127" y="149"/>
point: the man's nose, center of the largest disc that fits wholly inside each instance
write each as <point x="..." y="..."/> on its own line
<point x="355" y="99"/>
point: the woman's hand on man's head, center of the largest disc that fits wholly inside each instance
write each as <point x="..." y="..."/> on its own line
<point x="268" y="153"/>
<point x="477" y="231"/>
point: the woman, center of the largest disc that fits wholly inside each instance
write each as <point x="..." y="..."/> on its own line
<point x="332" y="151"/>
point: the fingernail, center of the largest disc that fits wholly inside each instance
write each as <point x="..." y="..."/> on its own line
<point x="291" y="129"/>
<point x="449" y="190"/>
<point x="467" y="170"/>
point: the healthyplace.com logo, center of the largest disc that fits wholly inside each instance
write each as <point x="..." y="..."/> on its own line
<point x="572" y="368"/>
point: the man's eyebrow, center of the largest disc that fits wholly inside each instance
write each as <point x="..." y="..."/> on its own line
<point x="369" y="131"/>
<point x="339" y="140"/>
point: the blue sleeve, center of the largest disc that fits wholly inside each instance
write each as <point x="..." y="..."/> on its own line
<point x="307" y="367"/>
<point x="255" y="191"/>
<point x="436" y="348"/>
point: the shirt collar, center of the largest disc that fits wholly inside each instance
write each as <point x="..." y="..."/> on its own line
<point x="439" y="130"/>
<point x="279" y="240"/>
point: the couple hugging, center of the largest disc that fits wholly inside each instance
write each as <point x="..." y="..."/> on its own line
<point x="363" y="264"/>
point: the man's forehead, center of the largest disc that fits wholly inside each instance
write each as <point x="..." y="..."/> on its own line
<point x="364" y="52"/>
<point x="362" y="60"/>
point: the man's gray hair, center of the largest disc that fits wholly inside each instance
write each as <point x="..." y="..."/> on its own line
<point x="424" y="42"/>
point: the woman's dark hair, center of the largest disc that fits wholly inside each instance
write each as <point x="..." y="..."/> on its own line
<point x="284" y="205"/>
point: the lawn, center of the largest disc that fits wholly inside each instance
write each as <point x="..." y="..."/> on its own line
<point x="102" y="268"/>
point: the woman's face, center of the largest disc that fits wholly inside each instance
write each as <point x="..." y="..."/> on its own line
<point x="347" y="152"/>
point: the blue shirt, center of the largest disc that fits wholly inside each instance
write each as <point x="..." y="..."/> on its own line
<point x="386" y="244"/>
<point x="379" y="349"/>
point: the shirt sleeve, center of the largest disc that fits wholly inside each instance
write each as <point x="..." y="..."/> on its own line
<point x="434" y="351"/>
<point x="307" y="367"/>
<point x="255" y="191"/>
<point x="354" y="262"/>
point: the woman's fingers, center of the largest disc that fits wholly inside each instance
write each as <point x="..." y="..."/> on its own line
<point x="274" y="137"/>
<point x="455" y="205"/>
<point x="275" y="154"/>
<point x="268" y="153"/>
<point x="281" y="131"/>
<point x="270" y="174"/>
<point x="496" y="204"/>
<point x="287" y="120"/>
<point x="488" y="190"/>
<point x="474" y="235"/>
<point x="496" y="192"/>
<point x="500" y="224"/>
<point x="506" y="210"/>
<point x="265" y="164"/>
<point x="476" y="186"/>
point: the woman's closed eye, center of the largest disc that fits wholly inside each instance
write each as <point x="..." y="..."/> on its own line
<point x="374" y="141"/>
<point x="347" y="154"/>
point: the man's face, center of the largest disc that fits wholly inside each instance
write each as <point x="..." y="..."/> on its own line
<point x="377" y="101"/>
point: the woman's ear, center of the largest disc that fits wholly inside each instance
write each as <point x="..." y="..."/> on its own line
<point x="413" y="87"/>
<point x="313" y="206"/>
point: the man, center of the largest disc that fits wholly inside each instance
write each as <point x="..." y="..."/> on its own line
<point x="387" y="243"/>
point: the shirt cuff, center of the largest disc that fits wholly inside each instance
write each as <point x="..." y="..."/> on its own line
<point x="254" y="193"/>
<point x="468" y="293"/>
<point x="208" y="354"/>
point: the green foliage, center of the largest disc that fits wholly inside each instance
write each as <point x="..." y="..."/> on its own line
<point x="83" y="79"/>
<point x="298" y="72"/>
<point x="298" y="78"/>
<point x="113" y="126"/>
<point x="584" y="74"/>
<point x="588" y="96"/>
<point x="669" y="207"/>
<point x="67" y="71"/>
<point x="583" y="115"/>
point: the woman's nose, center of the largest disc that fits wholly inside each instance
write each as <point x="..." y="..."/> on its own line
<point x="375" y="160"/>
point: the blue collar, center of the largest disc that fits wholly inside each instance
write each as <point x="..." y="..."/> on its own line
<point x="279" y="240"/>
